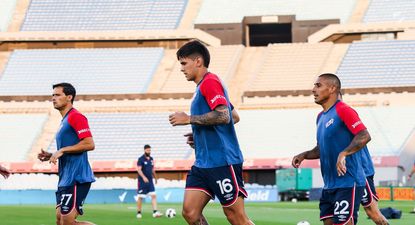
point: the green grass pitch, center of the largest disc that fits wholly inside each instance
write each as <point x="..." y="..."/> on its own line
<point x="279" y="213"/>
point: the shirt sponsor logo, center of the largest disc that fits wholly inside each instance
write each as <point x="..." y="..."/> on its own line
<point x="330" y="122"/>
<point x="357" y="124"/>
<point x="83" y="130"/>
<point x="216" y="98"/>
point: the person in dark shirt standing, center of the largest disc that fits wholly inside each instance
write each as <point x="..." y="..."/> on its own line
<point x="146" y="173"/>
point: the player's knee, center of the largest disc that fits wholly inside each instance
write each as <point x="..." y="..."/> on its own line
<point x="191" y="215"/>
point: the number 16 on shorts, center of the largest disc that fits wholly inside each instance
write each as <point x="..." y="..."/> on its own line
<point x="225" y="187"/>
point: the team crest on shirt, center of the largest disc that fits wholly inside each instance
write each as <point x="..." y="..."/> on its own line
<point x="145" y="163"/>
<point x="330" y="122"/>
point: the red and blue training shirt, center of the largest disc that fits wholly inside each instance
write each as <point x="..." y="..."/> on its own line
<point x="73" y="167"/>
<point x="215" y="145"/>
<point x="336" y="129"/>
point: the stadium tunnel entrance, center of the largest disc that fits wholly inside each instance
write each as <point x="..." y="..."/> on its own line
<point x="266" y="29"/>
<point x="263" y="34"/>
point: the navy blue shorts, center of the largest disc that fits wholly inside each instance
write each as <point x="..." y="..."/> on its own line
<point x="341" y="204"/>
<point x="145" y="189"/>
<point x="369" y="194"/>
<point x="70" y="197"/>
<point x="225" y="182"/>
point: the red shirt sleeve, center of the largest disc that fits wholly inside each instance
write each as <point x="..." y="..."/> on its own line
<point x="212" y="90"/>
<point x="350" y="117"/>
<point x="80" y="124"/>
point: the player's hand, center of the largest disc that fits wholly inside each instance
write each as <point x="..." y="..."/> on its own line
<point x="43" y="155"/>
<point x="190" y="140"/>
<point x="145" y="179"/>
<point x="4" y="172"/>
<point x="341" y="164"/>
<point x="179" y="118"/>
<point x="296" y="162"/>
<point x="54" y="158"/>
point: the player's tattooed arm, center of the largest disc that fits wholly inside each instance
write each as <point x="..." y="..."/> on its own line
<point x="218" y="116"/>
<point x="358" y="142"/>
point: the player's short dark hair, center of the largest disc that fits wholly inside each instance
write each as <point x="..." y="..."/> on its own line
<point x="147" y="146"/>
<point x="192" y="49"/>
<point x="334" y="78"/>
<point x="68" y="89"/>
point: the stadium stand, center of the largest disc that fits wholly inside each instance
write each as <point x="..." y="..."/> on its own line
<point x="18" y="133"/>
<point x="121" y="136"/>
<point x="6" y="13"/>
<point x="378" y="64"/>
<point x="69" y="15"/>
<point x="233" y="11"/>
<point x="92" y="71"/>
<point x="387" y="10"/>
<point x="259" y="136"/>
<point x="347" y="33"/>
<point x="280" y="69"/>
<point x="224" y="61"/>
<point x="4" y="58"/>
<point x="389" y="127"/>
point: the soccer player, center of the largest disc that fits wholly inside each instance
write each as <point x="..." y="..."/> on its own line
<point x="4" y="172"/>
<point x="146" y="172"/>
<point x="370" y="198"/>
<point x="340" y="137"/>
<point x="74" y="140"/>
<point x="217" y="170"/>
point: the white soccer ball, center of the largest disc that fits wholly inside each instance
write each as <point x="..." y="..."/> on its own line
<point x="170" y="213"/>
<point x="303" y="223"/>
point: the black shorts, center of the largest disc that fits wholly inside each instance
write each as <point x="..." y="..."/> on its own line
<point x="341" y="204"/>
<point x="144" y="189"/>
<point x="370" y="192"/>
<point x="70" y="197"/>
<point x="225" y="182"/>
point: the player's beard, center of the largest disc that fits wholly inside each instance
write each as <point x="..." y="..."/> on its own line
<point x="147" y="154"/>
